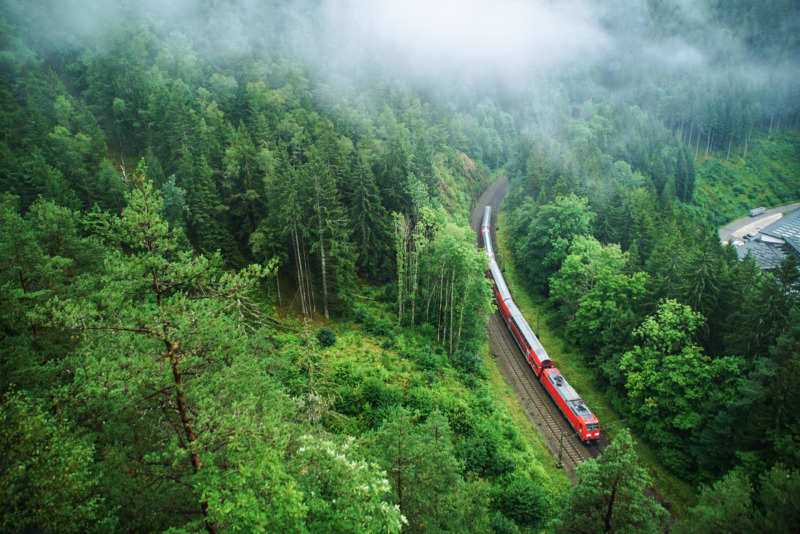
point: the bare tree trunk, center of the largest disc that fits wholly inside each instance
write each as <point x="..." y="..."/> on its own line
<point x="321" y="228"/>
<point x="747" y="142"/>
<point x="324" y="278"/>
<point x="278" y="284"/>
<point x="697" y="148"/>
<point x="312" y="302"/>
<point x="401" y="236"/>
<point x="770" y="121"/>
<point x="729" y="148"/>
<point x="452" y="305"/>
<point x="299" y="265"/>
<point x="430" y="298"/>
<point x="414" y="284"/>
<point x="461" y="316"/>
<point x="440" y="307"/>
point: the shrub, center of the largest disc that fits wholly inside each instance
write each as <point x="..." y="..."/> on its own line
<point x="389" y="341"/>
<point x="480" y="452"/>
<point x="468" y="362"/>
<point x="427" y="330"/>
<point x="360" y="315"/>
<point x="500" y="524"/>
<point x="326" y="337"/>
<point x="379" y="396"/>
<point x="522" y="500"/>
<point x="420" y="399"/>
<point x="428" y="360"/>
<point x="348" y="402"/>
<point x="382" y="327"/>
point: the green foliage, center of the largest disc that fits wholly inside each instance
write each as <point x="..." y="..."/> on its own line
<point x="421" y="468"/>
<point x="326" y="337"/>
<point x="258" y="155"/>
<point x="543" y="234"/>
<point x="343" y="492"/>
<point x="733" y="504"/>
<point x="469" y="363"/>
<point x="361" y="314"/>
<point x="609" y="494"/>
<point x="44" y="257"/>
<point x="500" y="524"/>
<point x="670" y="404"/>
<point x="428" y="360"/>
<point x="766" y="176"/>
<point x="522" y="500"/>
<point x="481" y="453"/>
<point x="46" y="473"/>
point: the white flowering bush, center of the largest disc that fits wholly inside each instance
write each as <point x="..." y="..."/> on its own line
<point x="344" y="493"/>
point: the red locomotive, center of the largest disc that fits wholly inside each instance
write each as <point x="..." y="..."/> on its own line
<point x="565" y="397"/>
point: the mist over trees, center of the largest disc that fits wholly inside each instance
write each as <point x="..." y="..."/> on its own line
<point x="188" y="190"/>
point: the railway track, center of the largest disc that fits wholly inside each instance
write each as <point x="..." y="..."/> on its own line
<point x="541" y="409"/>
<point x="552" y="422"/>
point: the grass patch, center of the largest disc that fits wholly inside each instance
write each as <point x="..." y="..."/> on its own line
<point x="770" y="176"/>
<point x="506" y="397"/>
<point x="359" y="354"/>
<point x="571" y="361"/>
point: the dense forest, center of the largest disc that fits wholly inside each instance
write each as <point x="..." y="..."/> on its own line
<point x="240" y="291"/>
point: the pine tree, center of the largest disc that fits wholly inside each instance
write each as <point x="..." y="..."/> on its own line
<point x="609" y="495"/>
<point x="327" y="225"/>
<point x="164" y="361"/>
<point x="369" y="223"/>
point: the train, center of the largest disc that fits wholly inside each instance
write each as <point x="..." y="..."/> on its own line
<point x="585" y="424"/>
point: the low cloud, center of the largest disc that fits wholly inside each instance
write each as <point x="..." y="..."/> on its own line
<point x="479" y="36"/>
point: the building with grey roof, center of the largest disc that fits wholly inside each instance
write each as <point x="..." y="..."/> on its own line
<point x="774" y="242"/>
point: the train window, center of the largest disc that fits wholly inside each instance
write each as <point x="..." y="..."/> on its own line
<point x="594" y="426"/>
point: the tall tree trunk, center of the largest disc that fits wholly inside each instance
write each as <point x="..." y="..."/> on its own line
<point x="440" y="307"/>
<point x="298" y="259"/>
<point x="324" y="267"/>
<point x="401" y="236"/>
<point x="747" y="142"/>
<point x="452" y="306"/>
<point x="184" y="411"/>
<point x="309" y="287"/>
<point x="461" y="316"/>
<point x="697" y="148"/>
<point x="610" y="512"/>
<point x="278" y="284"/>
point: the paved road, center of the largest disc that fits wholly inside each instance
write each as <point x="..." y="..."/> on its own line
<point x="741" y="227"/>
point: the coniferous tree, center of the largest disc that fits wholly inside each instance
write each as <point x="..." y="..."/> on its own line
<point x="368" y="223"/>
<point x="609" y="495"/>
<point x="327" y="225"/>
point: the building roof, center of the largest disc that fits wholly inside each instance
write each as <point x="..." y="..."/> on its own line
<point x="774" y="242"/>
<point x="767" y="255"/>
<point x="786" y="228"/>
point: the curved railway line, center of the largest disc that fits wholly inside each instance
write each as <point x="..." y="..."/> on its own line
<point x="542" y="411"/>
